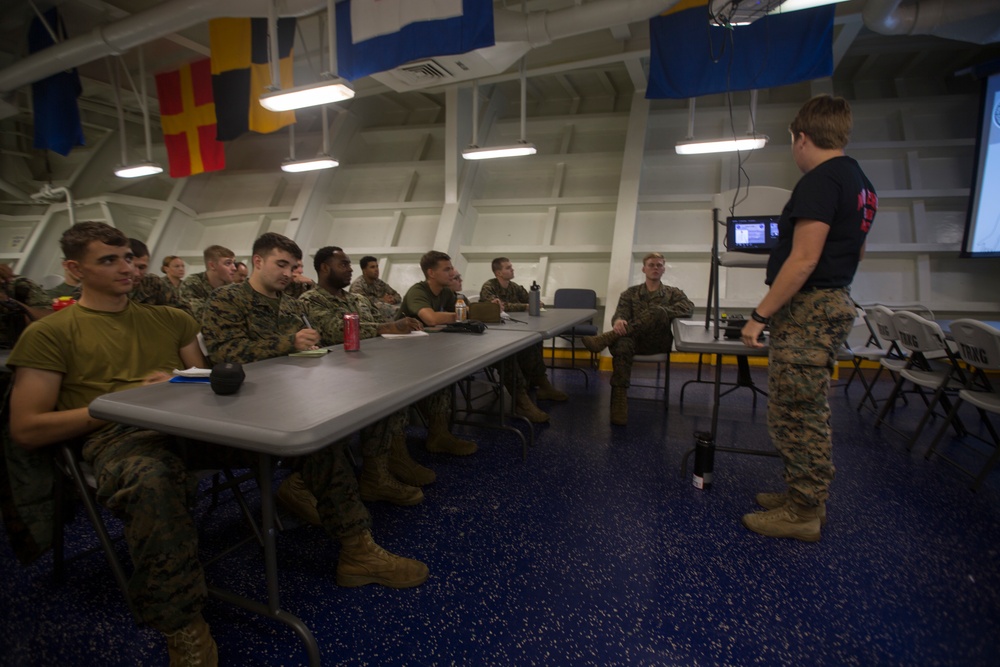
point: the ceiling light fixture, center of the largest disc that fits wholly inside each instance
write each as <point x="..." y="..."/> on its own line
<point x="145" y="167"/>
<point x="734" y="13"/>
<point x="521" y="148"/>
<point x="322" y="159"/>
<point x="327" y="91"/>
<point x="752" y="140"/>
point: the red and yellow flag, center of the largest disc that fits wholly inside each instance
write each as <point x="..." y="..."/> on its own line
<point x="187" y="113"/>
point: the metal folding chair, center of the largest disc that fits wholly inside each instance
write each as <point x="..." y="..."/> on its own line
<point x="575" y="298"/>
<point x="979" y="348"/>
<point x="924" y="338"/>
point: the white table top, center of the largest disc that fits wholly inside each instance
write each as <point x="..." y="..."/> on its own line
<point x="295" y="405"/>
<point x="692" y="336"/>
<point x="550" y="323"/>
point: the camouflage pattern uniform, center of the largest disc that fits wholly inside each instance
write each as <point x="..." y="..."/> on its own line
<point x="195" y="291"/>
<point x="153" y="291"/>
<point x="806" y="334"/>
<point x="296" y="289"/>
<point x="65" y="289"/>
<point x="242" y="325"/>
<point x="326" y="313"/>
<point x="375" y="291"/>
<point x="513" y="297"/>
<point x="648" y="315"/>
<point x="530" y="362"/>
<point x="176" y="291"/>
<point x="13" y="320"/>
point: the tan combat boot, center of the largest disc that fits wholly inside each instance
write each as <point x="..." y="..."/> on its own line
<point x="441" y="441"/>
<point x="525" y="408"/>
<point x="771" y="501"/>
<point x="404" y="468"/>
<point x="597" y="343"/>
<point x="546" y="392"/>
<point x="192" y="645"/>
<point x="790" y="520"/>
<point x="297" y="499"/>
<point x="363" y="562"/>
<point x="377" y="483"/>
<point x="619" y="406"/>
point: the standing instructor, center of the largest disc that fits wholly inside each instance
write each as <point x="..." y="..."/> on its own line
<point x="821" y="240"/>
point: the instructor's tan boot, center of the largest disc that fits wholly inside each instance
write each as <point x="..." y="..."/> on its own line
<point x="790" y="520"/>
<point x="404" y="468"/>
<point x="441" y="441"/>
<point x="363" y="562"/>
<point x="619" y="406"/>
<point x="377" y="483"/>
<point x="597" y="343"/>
<point x="546" y="392"/>
<point x="192" y="645"/>
<point x="772" y="501"/>
<point x="525" y="408"/>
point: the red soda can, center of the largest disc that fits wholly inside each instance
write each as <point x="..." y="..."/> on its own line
<point x="61" y="302"/>
<point x="352" y="332"/>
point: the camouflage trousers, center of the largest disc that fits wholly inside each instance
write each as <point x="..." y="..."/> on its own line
<point x="805" y="337"/>
<point x="526" y="366"/>
<point x="437" y="404"/>
<point x="649" y="334"/>
<point x="144" y="478"/>
<point x="376" y="440"/>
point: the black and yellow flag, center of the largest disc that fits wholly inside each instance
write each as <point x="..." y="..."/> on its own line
<point x="241" y="74"/>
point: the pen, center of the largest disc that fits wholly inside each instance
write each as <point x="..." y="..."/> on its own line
<point x="305" y="321"/>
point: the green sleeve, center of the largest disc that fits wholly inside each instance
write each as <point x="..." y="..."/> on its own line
<point x="235" y="330"/>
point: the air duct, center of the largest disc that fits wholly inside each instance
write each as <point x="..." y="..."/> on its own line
<point x="974" y="21"/>
<point x="121" y="36"/>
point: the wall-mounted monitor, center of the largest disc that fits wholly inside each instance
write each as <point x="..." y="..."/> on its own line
<point x="982" y="226"/>
<point x="752" y="233"/>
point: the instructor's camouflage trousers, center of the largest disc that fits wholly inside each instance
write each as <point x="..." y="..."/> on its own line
<point x="805" y="337"/>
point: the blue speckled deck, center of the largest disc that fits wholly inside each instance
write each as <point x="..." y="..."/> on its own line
<point x="596" y="552"/>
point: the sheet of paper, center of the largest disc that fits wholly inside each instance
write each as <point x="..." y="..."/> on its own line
<point x="310" y="353"/>
<point x="409" y="335"/>
<point x="193" y="372"/>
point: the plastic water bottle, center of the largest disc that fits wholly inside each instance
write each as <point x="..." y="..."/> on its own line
<point x="461" y="310"/>
<point x="535" y="300"/>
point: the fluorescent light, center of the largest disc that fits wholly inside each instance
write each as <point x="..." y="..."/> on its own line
<point x="696" y="147"/>
<point x="137" y="170"/>
<point x="796" y="5"/>
<point x="319" y="162"/>
<point x="313" y="94"/>
<point x="515" y="150"/>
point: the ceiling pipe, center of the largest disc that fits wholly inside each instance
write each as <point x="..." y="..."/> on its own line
<point x="921" y="17"/>
<point x="541" y="28"/>
<point x="121" y="36"/>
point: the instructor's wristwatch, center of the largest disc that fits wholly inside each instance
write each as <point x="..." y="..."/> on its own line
<point x="757" y="317"/>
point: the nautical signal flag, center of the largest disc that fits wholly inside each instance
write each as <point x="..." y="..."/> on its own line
<point x="241" y="74"/>
<point x="378" y="35"/>
<point x="689" y="58"/>
<point x="57" y="116"/>
<point x="187" y="113"/>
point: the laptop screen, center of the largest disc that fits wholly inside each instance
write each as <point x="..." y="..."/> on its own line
<point x="752" y="233"/>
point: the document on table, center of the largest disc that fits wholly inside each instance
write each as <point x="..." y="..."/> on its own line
<point x="406" y="335"/>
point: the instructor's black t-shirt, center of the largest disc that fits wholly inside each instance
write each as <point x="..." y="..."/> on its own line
<point x="838" y="193"/>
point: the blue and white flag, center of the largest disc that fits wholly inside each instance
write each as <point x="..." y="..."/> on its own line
<point x="378" y="35"/>
<point x="689" y="59"/>
<point x="57" y="116"/>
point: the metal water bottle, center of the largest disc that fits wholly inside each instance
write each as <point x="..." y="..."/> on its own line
<point x="352" y="332"/>
<point x="535" y="300"/>
<point x="704" y="460"/>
